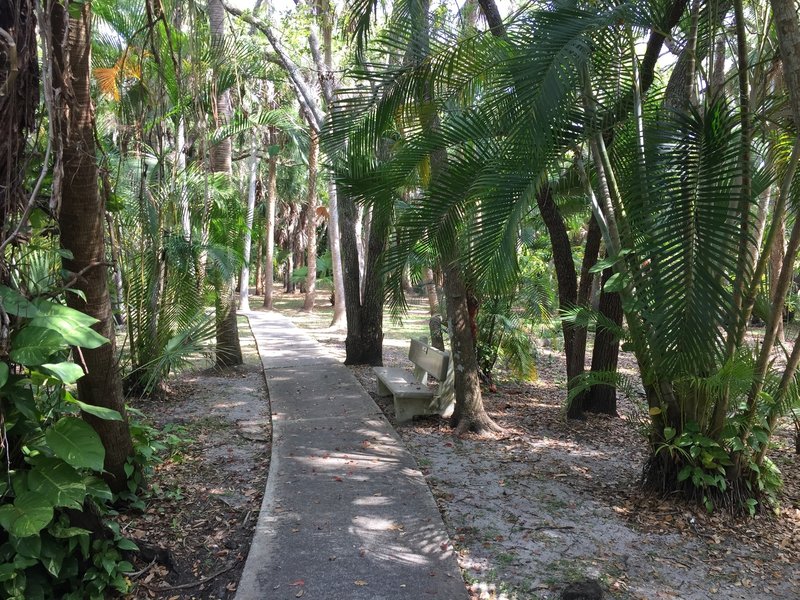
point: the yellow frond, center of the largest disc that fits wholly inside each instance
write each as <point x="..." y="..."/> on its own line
<point x="107" y="81"/>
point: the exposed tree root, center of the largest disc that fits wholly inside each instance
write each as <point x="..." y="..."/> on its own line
<point x="481" y="424"/>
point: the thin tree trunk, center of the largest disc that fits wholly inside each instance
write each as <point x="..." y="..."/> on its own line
<point x="229" y="352"/>
<point x="269" y="255"/>
<point x="258" y="268"/>
<point x="244" y="286"/>
<point x="603" y="398"/>
<point x="430" y="288"/>
<point x="81" y="223"/>
<point x="334" y="237"/>
<point x="408" y="288"/>
<point x="119" y="288"/>
<point x="360" y="226"/>
<point x="565" y="275"/>
<point x="578" y="358"/>
<point x="183" y="192"/>
<point x="469" y="413"/>
<point x="311" y="225"/>
<point x="352" y="280"/>
<point x="775" y="261"/>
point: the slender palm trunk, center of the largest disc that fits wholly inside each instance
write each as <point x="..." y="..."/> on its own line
<point x="269" y="254"/>
<point x="258" y="269"/>
<point x="229" y="352"/>
<point x="81" y="222"/>
<point x="244" y="286"/>
<point x="311" y="224"/>
<point x="339" y="298"/>
<point x="430" y="288"/>
<point x="603" y="398"/>
<point x="183" y="192"/>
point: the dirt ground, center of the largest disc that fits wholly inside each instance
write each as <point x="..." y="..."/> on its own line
<point x="547" y="502"/>
<point x="204" y="498"/>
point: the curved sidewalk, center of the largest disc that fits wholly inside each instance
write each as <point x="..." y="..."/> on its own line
<point x="346" y="513"/>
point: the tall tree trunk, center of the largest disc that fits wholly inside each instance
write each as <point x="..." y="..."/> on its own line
<point x="352" y="279"/>
<point x="334" y="237"/>
<point x="81" y="222"/>
<point x="408" y="287"/>
<point x="578" y="359"/>
<point x="469" y="413"/>
<point x="311" y="224"/>
<point x="229" y="352"/>
<point x="180" y="174"/>
<point x="244" y="286"/>
<point x="119" y="288"/>
<point x="19" y="102"/>
<point x="775" y="261"/>
<point x="565" y="275"/>
<point x="257" y="276"/>
<point x="430" y="288"/>
<point x="603" y="398"/>
<point x="269" y="255"/>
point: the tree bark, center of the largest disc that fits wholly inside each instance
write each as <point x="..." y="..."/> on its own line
<point x="775" y="261"/>
<point x="257" y="276"/>
<point x="430" y="288"/>
<point x="566" y="276"/>
<point x="311" y="225"/>
<point x="81" y="222"/>
<point x="334" y="237"/>
<point x="229" y="352"/>
<point x="269" y="255"/>
<point x="469" y="413"/>
<point x="787" y="26"/>
<point x="244" y="278"/>
<point x="603" y="398"/>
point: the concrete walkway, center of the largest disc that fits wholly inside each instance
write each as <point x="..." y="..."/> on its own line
<point x="346" y="513"/>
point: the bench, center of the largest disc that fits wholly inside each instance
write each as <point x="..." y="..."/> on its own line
<point x="411" y="393"/>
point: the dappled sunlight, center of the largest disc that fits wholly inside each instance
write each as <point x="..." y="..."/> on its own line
<point x="418" y="545"/>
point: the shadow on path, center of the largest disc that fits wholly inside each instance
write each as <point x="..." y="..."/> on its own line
<point x="346" y="513"/>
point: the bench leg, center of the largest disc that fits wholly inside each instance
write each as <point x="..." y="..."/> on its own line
<point x="406" y="409"/>
<point x="383" y="390"/>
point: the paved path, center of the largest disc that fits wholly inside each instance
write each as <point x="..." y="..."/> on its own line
<point x="346" y="513"/>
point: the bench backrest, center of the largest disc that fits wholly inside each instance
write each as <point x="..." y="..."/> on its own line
<point x="429" y="359"/>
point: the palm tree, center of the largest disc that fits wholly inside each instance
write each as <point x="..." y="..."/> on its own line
<point x="672" y="196"/>
<point x="81" y="219"/>
<point x="228" y="351"/>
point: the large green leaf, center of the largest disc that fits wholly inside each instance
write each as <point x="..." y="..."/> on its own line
<point x="52" y="309"/>
<point x="15" y="303"/>
<point x="73" y="325"/>
<point x="30" y="547"/>
<point x="30" y="513"/>
<point x="77" y="443"/>
<point x="73" y="331"/>
<point x="67" y="372"/>
<point x="4" y="372"/>
<point x="99" y="411"/>
<point x="34" y="345"/>
<point x="58" y="482"/>
<point x="98" y="488"/>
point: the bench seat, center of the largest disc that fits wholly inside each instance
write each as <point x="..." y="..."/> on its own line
<point x="410" y="392"/>
<point x="400" y="383"/>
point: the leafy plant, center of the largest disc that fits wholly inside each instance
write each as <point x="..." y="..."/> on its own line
<point x="52" y="463"/>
